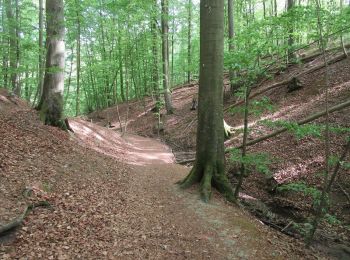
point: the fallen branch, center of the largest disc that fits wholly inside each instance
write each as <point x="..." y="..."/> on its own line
<point x="302" y="122"/>
<point x="344" y="191"/>
<point x="19" y="220"/>
<point x="285" y="82"/>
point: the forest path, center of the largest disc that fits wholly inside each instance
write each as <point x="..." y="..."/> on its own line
<point x="172" y="223"/>
<point x="115" y="198"/>
<point x="129" y="148"/>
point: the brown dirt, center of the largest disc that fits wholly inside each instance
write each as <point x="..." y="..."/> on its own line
<point x="112" y="200"/>
<point x="294" y="160"/>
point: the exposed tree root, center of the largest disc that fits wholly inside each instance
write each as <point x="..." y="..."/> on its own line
<point x="344" y="191"/>
<point x="19" y="220"/>
<point x="208" y="176"/>
<point x="282" y="130"/>
<point x="228" y="130"/>
<point x="68" y="126"/>
<point x="285" y="82"/>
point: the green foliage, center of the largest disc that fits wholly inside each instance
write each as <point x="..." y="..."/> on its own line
<point x="303" y="228"/>
<point x="331" y="219"/>
<point x="256" y="107"/>
<point x="116" y="38"/>
<point x="258" y="162"/>
<point x="301" y="187"/>
<point x="300" y="131"/>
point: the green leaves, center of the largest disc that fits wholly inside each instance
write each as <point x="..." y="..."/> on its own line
<point x="301" y="131"/>
<point x="256" y="107"/>
<point x="301" y="187"/>
<point x="258" y="162"/>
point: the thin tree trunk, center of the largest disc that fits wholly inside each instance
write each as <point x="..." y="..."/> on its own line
<point x="165" y="56"/>
<point x="5" y="43"/>
<point x="172" y="52"/>
<point x="244" y="146"/>
<point x="77" y="106"/>
<point x="290" y="4"/>
<point x="231" y="34"/>
<point x="120" y="54"/>
<point x="322" y="208"/>
<point x="189" y="43"/>
<point x="69" y="77"/>
<point x="40" y="57"/>
<point x="13" y="46"/>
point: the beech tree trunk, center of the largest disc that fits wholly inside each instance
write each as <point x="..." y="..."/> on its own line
<point x="13" y="46"/>
<point x="40" y="57"/>
<point x="230" y="37"/>
<point x="51" y="110"/>
<point x="4" y="46"/>
<point x="209" y="166"/>
<point x="165" y="56"/>
<point x="77" y="104"/>
<point x="290" y="4"/>
<point x="189" y="47"/>
<point x="155" y="74"/>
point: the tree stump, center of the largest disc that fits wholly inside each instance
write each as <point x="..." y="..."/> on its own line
<point x="294" y="85"/>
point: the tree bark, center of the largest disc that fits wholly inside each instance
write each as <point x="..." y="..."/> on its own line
<point x="155" y="74"/>
<point x="290" y="4"/>
<point x="77" y="105"/>
<point x="165" y="56"/>
<point x="230" y="11"/>
<point x="13" y="46"/>
<point x="210" y="160"/>
<point x="40" y="57"/>
<point x="51" y="110"/>
<point x="4" y="47"/>
<point x="189" y="46"/>
<point x="121" y="72"/>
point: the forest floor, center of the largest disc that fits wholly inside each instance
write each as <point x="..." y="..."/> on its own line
<point x="114" y="197"/>
<point x="293" y="159"/>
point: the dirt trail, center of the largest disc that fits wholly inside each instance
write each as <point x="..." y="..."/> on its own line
<point x="170" y="222"/>
<point x="128" y="148"/>
<point x="103" y="208"/>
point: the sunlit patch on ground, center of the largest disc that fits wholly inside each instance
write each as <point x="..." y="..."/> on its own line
<point x="129" y="148"/>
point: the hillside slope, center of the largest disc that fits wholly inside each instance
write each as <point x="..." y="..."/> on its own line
<point x="105" y="206"/>
<point x="293" y="160"/>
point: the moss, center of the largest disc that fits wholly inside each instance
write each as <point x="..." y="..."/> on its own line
<point x="208" y="176"/>
<point x="51" y="111"/>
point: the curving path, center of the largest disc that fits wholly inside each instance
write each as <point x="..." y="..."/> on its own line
<point x="128" y="148"/>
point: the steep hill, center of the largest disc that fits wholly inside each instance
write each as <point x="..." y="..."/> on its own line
<point x="293" y="160"/>
<point x="106" y="198"/>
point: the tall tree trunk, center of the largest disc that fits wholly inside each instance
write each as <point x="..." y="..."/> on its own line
<point x="5" y="42"/>
<point x="290" y="4"/>
<point x="189" y="47"/>
<point x="121" y="75"/>
<point x="77" y="105"/>
<point x="155" y="74"/>
<point x="51" y="111"/>
<point x="172" y="50"/>
<point x="209" y="167"/>
<point x="40" y="57"/>
<point x="165" y="57"/>
<point x="13" y="46"/>
<point x="17" y="88"/>
<point x="231" y="32"/>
